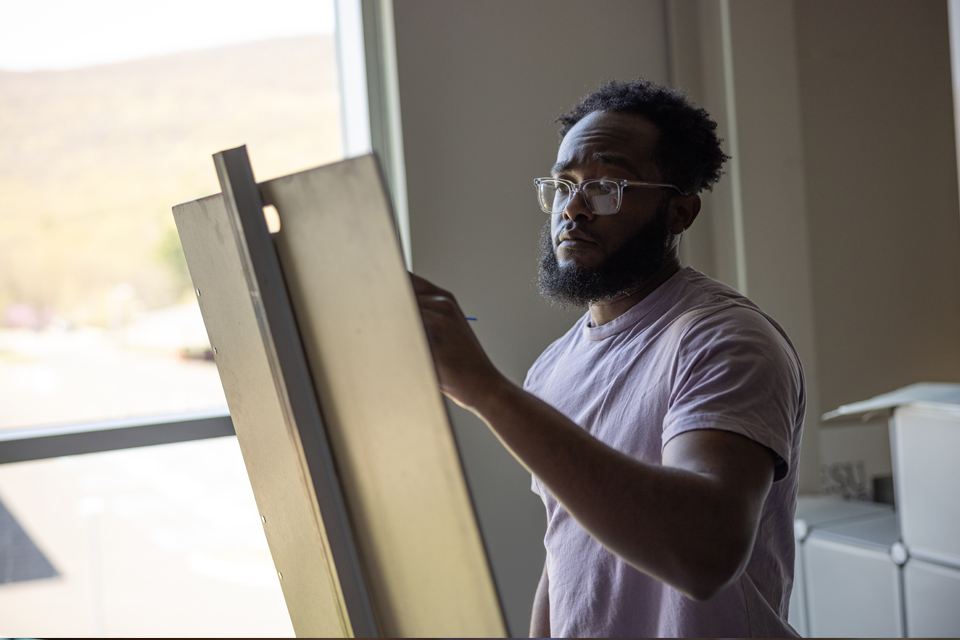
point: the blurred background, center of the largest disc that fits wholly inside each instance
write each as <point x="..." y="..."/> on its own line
<point x="109" y="114"/>
<point x="102" y="133"/>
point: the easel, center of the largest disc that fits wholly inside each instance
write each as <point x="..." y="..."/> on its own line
<point x="335" y="402"/>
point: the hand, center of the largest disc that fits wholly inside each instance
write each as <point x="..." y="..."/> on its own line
<point x="462" y="366"/>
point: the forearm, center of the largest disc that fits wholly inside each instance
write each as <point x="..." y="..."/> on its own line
<point x="689" y="521"/>
<point x="674" y="524"/>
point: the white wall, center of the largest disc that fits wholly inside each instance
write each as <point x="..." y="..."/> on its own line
<point x="842" y="114"/>
<point x="738" y="60"/>
<point x="480" y="84"/>
<point x="877" y="113"/>
<point x="839" y="215"/>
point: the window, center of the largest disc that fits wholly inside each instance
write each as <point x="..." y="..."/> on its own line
<point x="111" y="111"/>
<point x="154" y="541"/>
<point x="97" y="311"/>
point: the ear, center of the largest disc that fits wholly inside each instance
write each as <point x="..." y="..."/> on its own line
<point x="684" y="210"/>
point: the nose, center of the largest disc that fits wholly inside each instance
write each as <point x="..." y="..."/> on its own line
<point x="577" y="206"/>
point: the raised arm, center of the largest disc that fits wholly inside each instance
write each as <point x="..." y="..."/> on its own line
<point x="690" y="523"/>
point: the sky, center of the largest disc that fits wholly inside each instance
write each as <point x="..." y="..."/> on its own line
<point x="68" y="34"/>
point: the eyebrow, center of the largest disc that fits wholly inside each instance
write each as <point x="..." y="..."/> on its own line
<point x="613" y="159"/>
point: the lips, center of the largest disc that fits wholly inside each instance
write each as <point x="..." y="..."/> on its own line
<point x="573" y="237"/>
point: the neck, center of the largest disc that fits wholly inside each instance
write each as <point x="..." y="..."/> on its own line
<point x="603" y="311"/>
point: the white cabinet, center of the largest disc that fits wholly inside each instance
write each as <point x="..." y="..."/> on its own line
<point x="854" y="584"/>
<point x="814" y="513"/>
<point x="925" y="442"/>
<point x="931" y="599"/>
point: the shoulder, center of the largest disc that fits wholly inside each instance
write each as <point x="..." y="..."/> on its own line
<point x="737" y="327"/>
<point x="732" y="335"/>
<point x="726" y="344"/>
<point x="716" y="313"/>
<point x="736" y="370"/>
<point x="732" y="320"/>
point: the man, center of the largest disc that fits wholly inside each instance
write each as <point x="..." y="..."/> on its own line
<point x="663" y="430"/>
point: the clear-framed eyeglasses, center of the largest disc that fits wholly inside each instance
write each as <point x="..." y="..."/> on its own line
<point x="603" y="196"/>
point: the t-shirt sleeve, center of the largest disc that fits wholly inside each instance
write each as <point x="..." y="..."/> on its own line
<point x="736" y="372"/>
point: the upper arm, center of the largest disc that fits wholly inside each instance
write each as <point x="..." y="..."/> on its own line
<point x="734" y="475"/>
<point x="741" y="469"/>
<point x="736" y="373"/>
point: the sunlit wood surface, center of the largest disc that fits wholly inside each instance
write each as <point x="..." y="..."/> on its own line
<point x="426" y="567"/>
<point x="259" y="406"/>
<point x="423" y="562"/>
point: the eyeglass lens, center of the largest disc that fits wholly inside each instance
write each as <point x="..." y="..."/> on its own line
<point x="602" y="196"/>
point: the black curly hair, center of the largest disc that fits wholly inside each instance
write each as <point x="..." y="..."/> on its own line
<point x="689" y="152"/>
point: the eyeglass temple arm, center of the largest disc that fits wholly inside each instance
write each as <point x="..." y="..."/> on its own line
<point x="637" y="183"/>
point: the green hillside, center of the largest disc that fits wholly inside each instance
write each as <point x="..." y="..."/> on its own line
<point x="93" y="159"/>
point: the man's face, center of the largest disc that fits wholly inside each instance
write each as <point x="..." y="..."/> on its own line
<point x="587" y="257"/>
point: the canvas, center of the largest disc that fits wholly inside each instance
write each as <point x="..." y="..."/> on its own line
<point x="334" y="398"/>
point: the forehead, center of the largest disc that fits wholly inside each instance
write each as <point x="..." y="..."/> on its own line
<point x="602" y="136"/>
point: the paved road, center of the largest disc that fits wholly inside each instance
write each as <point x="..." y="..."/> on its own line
<point x="158" y="541"/>
<point x="54" y="377"/>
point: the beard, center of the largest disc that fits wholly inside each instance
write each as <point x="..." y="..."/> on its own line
<point x="625" y="269"/>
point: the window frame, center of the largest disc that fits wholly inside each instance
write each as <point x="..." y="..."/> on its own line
<point x="370" y="122"/>
<point x="74" y="438"/>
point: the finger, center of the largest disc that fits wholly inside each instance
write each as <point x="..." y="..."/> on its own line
<point x="442" y="307"/>
<point x="422" y="285"/>
<point x="424" y="288"/>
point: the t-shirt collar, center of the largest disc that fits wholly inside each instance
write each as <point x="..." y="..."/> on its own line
<point x="637" y="314"/>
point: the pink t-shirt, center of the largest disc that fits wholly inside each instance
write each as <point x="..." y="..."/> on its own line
<point x="695" y="354"/>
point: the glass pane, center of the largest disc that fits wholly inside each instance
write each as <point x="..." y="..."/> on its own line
<point x="157" y="541"/>
<point x="553" y="195"/>
<point x="604" y="196"/>
<point x="101" y="136"/>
